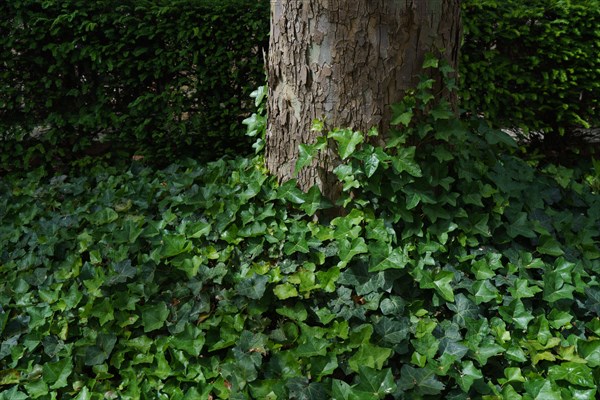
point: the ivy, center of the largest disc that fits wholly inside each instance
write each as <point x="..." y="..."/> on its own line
<point x="454" y="268"/>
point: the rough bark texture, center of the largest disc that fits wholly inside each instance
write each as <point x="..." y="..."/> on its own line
<point x="345" y="62"/>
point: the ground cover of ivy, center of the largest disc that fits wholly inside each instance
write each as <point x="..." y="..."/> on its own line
<point x="456" y="269"/>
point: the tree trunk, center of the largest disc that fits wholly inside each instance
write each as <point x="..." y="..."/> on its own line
<point x="345" y="62"/>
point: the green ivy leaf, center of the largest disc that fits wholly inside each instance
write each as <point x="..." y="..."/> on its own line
<point x="105" y="342"/>
<point x="392" y="331"/>
<point x="422" y="379"/>
<point x="154" y="316"/>
<point x="254" y="287"/>
<point x="468" y="375"/>
<point x="369" y="355"/>
<point x="484" y="291"/>
<point x="301" y="389"/>
<point x="13" y="394"/>
<point x="174" y="245"/>
<point x="590" y="350"/>
<point x="593" y="299"/>
<point x="396" y="259"/>
<point x="104" y="216"/>
<point x="405" y="161"/>
<point x="347" y="141"/>
<point x="314" y="201"/>
<point x="574" y="373"/>
<point x="348" y="249"/>
<point x="550" y="246"/>
<point x="541" y="389"/>
<point x="288" y="191"/>
<point x="285" y="291"/>
<point x="442" y="285"/>
<point x="378" y="383"/>
<point x="55" y="374"/>
<point x="306" y="154"/>
<point x="517" y="314"/>
<point x="404" y="118"/>
<point x="343" y="391"/>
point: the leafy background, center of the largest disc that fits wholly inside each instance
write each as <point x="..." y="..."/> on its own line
<point x="457" y="269"/>
<point x="158" y="78"/>
<point x="455" y="265"/>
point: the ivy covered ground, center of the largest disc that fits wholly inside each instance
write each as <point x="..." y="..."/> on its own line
<point x="457" y="268"/>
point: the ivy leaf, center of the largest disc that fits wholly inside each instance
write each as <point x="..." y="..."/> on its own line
<point x="254" y="287"/>
<point x="371" y="163"/>
<point x="575" y="373"/>
<point x="369" y="355"/>
<point x="517" y="314"/>
<point x="288" y="191"/>
<point x="378" y="383"/>
<point x="442" y="111"/>
<point x="468" y="375"/>
<point x="301" y="389"/>
<point x="285" y="291"/>
<point x="394" y="305"/>
<point x="520" y="227"/>
<point x="550" y="246"/>
<point x="464" y="309"/>
<point x="123" y="271"/>
<point x="314" y="201"/>
<point x="347" y="141"/>
<point x="104" y="216"/>
<point x="487" y="348"/>
<point x="154" y="316"/>
<point x="56" y="373"/>
<point x="343" y="391"/>
<point x="542" y="389"/>
<point x="99" y="353"/>
<point x="405" y="161"/>
<point x="396" y="259"/>
<point x="484" y="291"/>
<point x="306" y="154"/>
<point x="197" y="229"/>
<point x="521" y="289"/>
<point x="174" y="245"/>
<point x="442" y="285"/>
<point x="392" y="331"/>
<point x="312" y="347"/>
<point x="593" y="299"/>
<point x="590" y="350"/>
<point x="9" y="377"/>
<point x="404" y="118"/>
<point x="349" y="249"/>
<point x="555" y="288"/>
<point x="13" y="394"/>
<point x="423" y="379"/>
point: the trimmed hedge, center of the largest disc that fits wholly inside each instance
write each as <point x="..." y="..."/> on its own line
<point x="170" y="75"/>
<point x="532" y="65"/>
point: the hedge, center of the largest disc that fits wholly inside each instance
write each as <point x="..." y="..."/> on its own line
<point x="170" y="75"/>
<point x="532" y="65"/>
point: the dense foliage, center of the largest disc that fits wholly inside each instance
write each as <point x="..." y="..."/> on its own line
<point x="165" y="76"/>
<point x="171" y="77"/>
<point x="454" y="270"/>
<point x="532" y="65"/>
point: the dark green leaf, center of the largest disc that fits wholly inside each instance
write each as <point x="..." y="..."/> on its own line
<point x="575" y="373"/>
<point x="253" y="287"/>
<point x="154" y="316"/>
<point x="421" y="379"/>
<point x="288" y="191"/>
<point x="55" y="374"/>
<point x="378" y="383"/>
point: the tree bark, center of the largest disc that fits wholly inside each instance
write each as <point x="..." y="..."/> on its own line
<point x="346" y="62"/>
